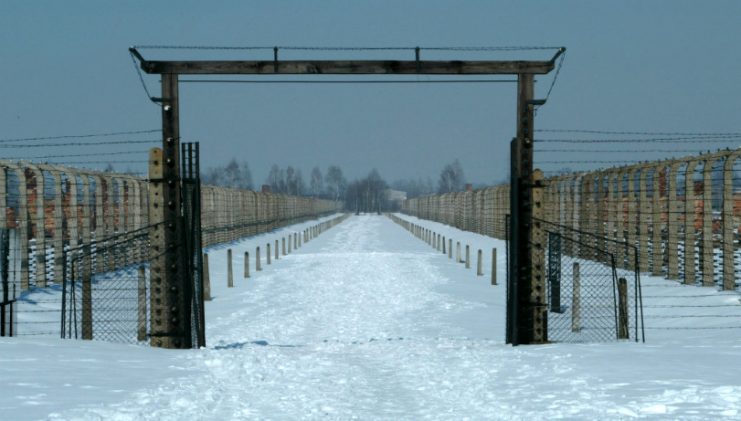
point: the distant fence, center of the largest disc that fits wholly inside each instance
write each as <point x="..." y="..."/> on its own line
<point x="682" y="216"/>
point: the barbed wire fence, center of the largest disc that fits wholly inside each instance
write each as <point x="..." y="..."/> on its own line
<point x="675" y="214"/>
<point x="87" y="194"/>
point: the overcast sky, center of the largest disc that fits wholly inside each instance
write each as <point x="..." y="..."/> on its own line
<point x="631" y="65"/>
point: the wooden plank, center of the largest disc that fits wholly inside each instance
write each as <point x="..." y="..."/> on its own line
<point x="347" y="67"/>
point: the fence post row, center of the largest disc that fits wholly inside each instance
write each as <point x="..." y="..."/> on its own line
<point x="635" y="204"/>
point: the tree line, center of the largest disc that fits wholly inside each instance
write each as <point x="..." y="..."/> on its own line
<point x="367" y="194"/>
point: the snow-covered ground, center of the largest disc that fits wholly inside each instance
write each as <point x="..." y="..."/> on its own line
<point x="368" y="322"/>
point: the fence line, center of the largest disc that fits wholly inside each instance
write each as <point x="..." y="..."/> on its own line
<point x="681" y="215"/>
<point x="55" y="208"/>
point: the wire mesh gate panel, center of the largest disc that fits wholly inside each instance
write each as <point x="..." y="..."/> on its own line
<point x="105" y="292"/>
<point x="588" y="299"/>
<point x="192" y="250"/>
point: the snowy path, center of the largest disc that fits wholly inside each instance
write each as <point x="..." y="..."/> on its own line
<point x="368" y="322"/>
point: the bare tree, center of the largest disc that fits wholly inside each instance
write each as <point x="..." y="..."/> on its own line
<point x="451" y="178"/>
<point x="335" y="183"/>
<point x="316" y="182"/>
<point x="234" y="174"/>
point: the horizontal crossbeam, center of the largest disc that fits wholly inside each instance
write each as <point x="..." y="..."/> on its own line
<point x="344" y="67"/>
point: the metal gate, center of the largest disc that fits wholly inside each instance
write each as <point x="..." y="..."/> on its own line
<point x="192" y="251"/>
<point x="106" y="288"/>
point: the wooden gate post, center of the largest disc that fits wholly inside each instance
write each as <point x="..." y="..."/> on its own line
<point x="170" y="321"/>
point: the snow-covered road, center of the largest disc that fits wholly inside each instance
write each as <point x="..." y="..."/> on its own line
<point x="368" y="322"/>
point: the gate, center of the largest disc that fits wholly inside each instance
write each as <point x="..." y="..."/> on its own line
<point x="589" y="298"/>
<point x="106" y="288"/>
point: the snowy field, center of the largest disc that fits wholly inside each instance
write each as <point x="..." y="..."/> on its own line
<point x="368" y="322"/>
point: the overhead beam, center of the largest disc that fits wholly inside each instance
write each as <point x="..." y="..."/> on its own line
<point x="345" y="67"/>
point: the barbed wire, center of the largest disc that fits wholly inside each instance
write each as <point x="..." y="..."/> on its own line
<point x="78" y="136"/>
<point x="638" y="133"/>
<point x="111" y="142"/>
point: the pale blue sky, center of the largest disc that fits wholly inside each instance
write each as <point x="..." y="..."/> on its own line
<point x="631" y="65"/>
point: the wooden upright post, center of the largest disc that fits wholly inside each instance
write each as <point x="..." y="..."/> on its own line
<point x="170" y="321"/>
<point x="526" y="310"/>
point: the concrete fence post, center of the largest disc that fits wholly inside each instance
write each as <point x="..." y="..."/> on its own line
<point x="689" y="223"/>
<point x="623" y="309"/>
<point x="673" y="209"/>
<point x="87" y="302"/>
<point x="267" y="252"/>
<point x="283" y="245"/>
<point x="141" y="321"/>
<point x="277" y="252"/>
<point x="479" y="264"/>
<point x="493" y="266"/>
<point x="229" y="273"/>
<point x="450" y="248"/>
<point x="708" y="279"/>
<point x="206" y="279"/>
<point x="729" y="277"/>
<point x="290" y="241"/>
<point x="576" y="299"/>
<point x="468" y="256"/>
<point x="258" y="266"/>
<point x="458" y="252"/>
<point x="444" y="250"/>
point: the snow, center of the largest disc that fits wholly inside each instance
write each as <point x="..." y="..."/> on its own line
<point x="368" y="322"/>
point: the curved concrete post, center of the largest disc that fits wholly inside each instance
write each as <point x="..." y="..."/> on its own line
<point x="87" y="206"/>
<point x="644" y="213"/>
<point x="612" y="210"/>
<point x="37" y="218"/>
<point x="58" y="232"/>
<point x="689" y="222"/>
<point x="110" y="218"/>
<point x="600" y="220"/>
<point x="631" y="222"/>
<point x="576" y="194"/>
<point x="729" y="279"/>
<point x="708" y="250"/>
<point x="657" y="225"/>
<point x="621" y="213"/>
<point x="673" y="209"/>
<point x="23" y="226"/>
<point x="73" y="225"/>
<point x="586" y="215"/>
<point x="99" y="216"/>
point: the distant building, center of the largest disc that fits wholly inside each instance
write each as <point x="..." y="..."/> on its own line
<point x="266" y="188"/>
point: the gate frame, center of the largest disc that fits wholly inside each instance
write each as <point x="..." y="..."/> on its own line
<point x="525" y="313"/>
